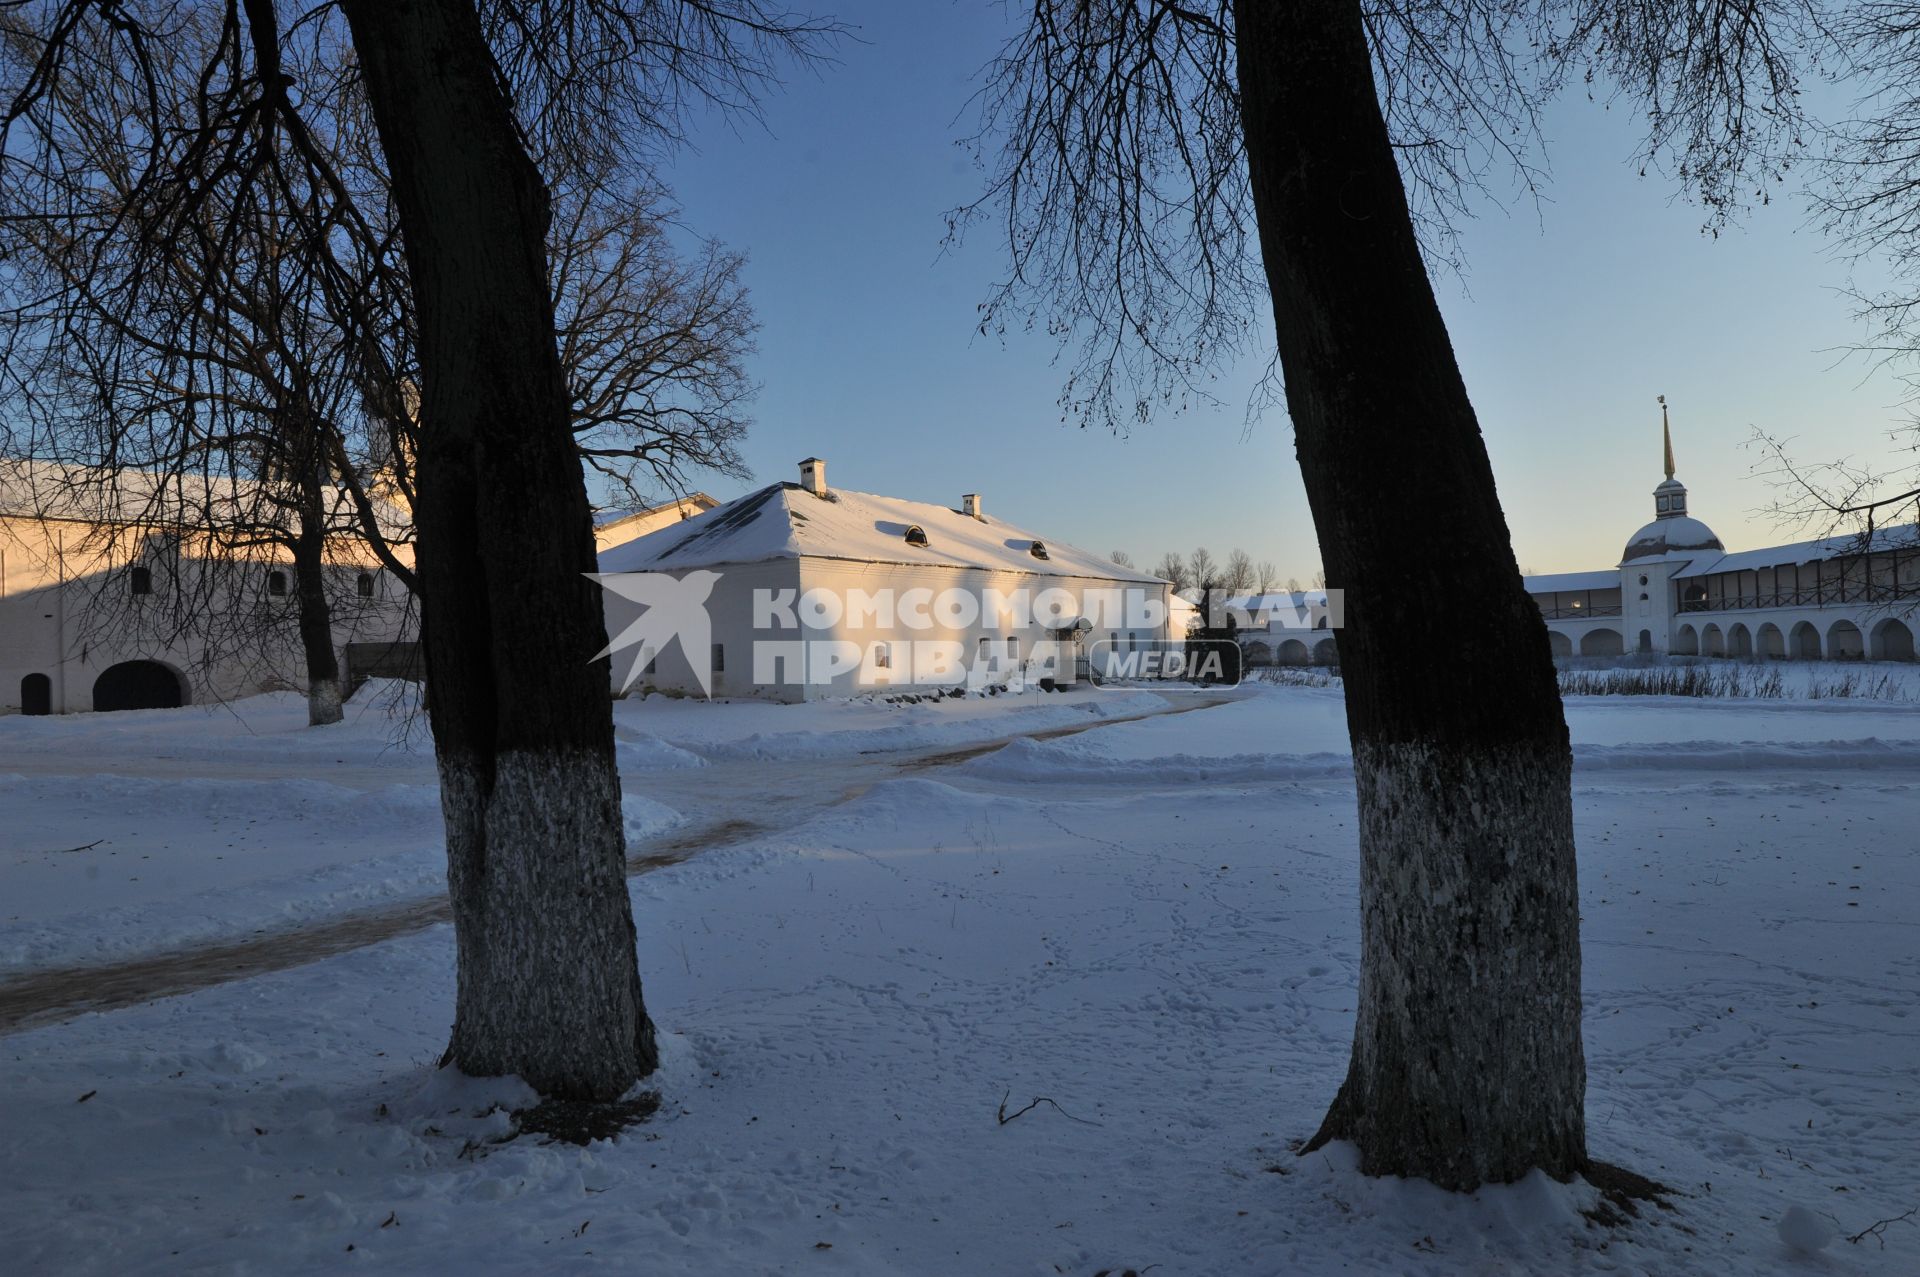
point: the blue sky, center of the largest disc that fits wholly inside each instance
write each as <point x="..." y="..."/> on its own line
<point x="1570" y="319"/>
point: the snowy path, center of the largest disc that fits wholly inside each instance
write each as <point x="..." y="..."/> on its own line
<point x="709" y="798"/>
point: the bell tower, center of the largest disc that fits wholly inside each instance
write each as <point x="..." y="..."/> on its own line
<point x="1670" y="498"/>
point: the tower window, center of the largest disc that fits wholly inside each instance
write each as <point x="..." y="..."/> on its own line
<point x="140" y="580"/>
<point x="719" y="659"/>
<point x="276" y="582"/>
<point x="363" y="585"/>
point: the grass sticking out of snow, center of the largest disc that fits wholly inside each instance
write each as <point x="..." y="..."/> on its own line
<point x="1296" y="675"/>
<point x="582" y="1122"/>
<point x="1739" y="681"/>
<point x="1751" y="681"/>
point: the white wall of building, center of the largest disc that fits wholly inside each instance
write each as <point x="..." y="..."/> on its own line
<point x="827" y="642"/>
<point x="67" y="614"/>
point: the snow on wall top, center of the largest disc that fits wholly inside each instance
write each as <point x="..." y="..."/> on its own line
<point x="191" y="500"/>
<point x="1708" y="562"/>
<point x="1884" y="539"/>
<point x="1553" y="582"/>
<point x="604" y="518"/>
<point x="1287" y="599"/>
<point x="785" y="521"/>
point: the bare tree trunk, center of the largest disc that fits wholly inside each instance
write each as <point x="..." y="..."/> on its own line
<point x="1467" y="1062"/>
<point x="522" y="720"/>
<point x="315" y="611"/>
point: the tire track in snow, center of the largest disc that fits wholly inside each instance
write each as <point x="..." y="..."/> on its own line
<point x="62" y="993"/>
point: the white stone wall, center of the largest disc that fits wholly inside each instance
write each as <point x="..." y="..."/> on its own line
<point x="62" y="615"/>
<point x="737" y="628"/>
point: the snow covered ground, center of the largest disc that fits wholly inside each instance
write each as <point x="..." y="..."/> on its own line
<point x="134" y="832"/>
<point x="1152" y="924"/>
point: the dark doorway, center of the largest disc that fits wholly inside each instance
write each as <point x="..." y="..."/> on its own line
<point x="36" y="694"/>
<point x="136" y="685"/>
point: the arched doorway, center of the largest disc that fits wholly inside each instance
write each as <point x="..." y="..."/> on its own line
<point x="137" y="685"/>
<point x="1293" y="652"/>
<point x="1258" y="653"/>
<point x="1844" y="642"/>
<point x="1806" y="642"/>
<point x="1646" y="643"/>
<point x="1739" y="641"/>
<point x="36" y="694"/>
<point x="1559" y="644"/>
<point x="1602" y="643"/>
<point x="1769" y="643"/>
<point x="1892" y="641"/>
<point x="1712" y="642"/>
<point x="1686" y="642"/>
<point x="1326" y="653"/>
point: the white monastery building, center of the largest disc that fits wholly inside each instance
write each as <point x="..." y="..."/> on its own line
<point x="1678" y="592"/>
<point x="103" y="608"/>
<point x="799" y="591"/>
<point x="617" y="527"/>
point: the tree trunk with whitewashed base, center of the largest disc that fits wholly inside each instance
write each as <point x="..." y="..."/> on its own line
<point x="522" y="717"/>
<point x="315" y="611"/>
<point x="1467" y="1063"/>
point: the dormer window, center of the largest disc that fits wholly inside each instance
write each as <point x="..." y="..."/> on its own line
<point x="916" y="535"/>
<point x="1038" y="550"/>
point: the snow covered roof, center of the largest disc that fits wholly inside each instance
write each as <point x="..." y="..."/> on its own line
<point x="1281" y="599"/>
<point x="785" y="521"/>
<point x="1553" y="582"/>
<point x="1667" y="536"/>
<point x="52" y="490"/>
<point x="692" y="501"/>
<point x="1707" y="562"/>
<point x="1884" y="539"/>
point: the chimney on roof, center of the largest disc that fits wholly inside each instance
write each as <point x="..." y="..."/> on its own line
<point x="970" y="506"/>
<point x="813" y="476"/>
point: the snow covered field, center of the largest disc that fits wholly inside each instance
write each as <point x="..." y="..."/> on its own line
<point x="131" y="833"/>
<point x="1153" y="924"/>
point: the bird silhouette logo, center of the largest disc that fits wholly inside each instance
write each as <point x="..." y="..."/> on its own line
<point x="676" y="609"/>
